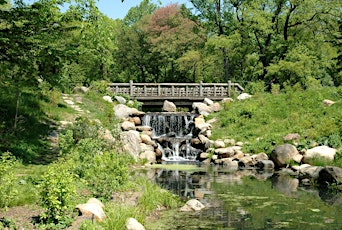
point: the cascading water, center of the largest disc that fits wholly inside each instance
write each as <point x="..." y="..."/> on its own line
<point x="173" y="133"/>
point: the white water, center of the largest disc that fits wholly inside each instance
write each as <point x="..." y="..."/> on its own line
<point x="175" y="131"/>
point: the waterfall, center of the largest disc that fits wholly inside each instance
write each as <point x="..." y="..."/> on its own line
<point x="173" y="133"/>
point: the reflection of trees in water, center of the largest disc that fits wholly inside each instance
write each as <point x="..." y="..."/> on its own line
<point x="176" y="181"/>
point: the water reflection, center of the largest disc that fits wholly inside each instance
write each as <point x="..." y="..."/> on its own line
<point x="248" y="199"/>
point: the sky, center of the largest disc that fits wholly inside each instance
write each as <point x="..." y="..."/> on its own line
<point x="117" y="9"/>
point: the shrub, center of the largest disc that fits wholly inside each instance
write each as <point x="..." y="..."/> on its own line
<point x="108" y="173"/>
<point x="7" y="179"/>
<point x="57" y="190"/>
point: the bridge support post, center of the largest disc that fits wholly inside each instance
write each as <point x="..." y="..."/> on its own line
<point x="201" y="89"/>
<point x="229" y="87"/>
<point x="131" y="88"/>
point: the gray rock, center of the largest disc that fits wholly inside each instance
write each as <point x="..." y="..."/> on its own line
<point x="260" y="156"/>
<point x="246" y="162"/>
<point x="169" y="106"/>
<point x="123" y="111"/>
<point x="309" y="172"/>
<point x="133" y="224"/>
<point x="319" y="152"/>
<point x="283" y="154"/>
<point x="108" y="99"/>
<point x="149" y="155"/>
<point x="121" y="100"/>
<point x="208" y="101"/>
<point x="225" y="152"/>
<point x="219" y="144"/>
<point x="215" y="107"/>
<point x="92" y="209"/>
<point x="127" y="125"/>
<point x="330" y="175"/>
<point x="131" y="142"/>
<point x="201" y="108"/>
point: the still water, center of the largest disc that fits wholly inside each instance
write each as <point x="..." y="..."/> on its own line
<point x="246" y="200"/>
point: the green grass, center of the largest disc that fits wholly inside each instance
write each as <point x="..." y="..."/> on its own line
<point x="265" y="119"/>
<point x="152" y="197"/>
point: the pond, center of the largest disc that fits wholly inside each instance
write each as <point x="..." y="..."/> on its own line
<point x="246" y="200"/>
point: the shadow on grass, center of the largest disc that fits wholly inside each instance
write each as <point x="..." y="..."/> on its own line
<point x="29" y="141"/>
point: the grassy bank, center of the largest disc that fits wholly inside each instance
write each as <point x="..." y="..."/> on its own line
<point x="262" y="121"/>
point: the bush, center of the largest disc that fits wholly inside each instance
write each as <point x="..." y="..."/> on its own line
<point x="7" y="179"/>
<point x="107" y="174"/>
<point x="57" y="191"/>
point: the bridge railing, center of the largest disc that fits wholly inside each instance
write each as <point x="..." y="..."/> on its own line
<point x="175" y="90"/>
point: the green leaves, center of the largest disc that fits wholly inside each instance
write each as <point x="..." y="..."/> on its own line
<point x="7" y="179"/>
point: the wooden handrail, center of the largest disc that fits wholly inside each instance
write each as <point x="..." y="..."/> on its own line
<point x="175" y="90"/>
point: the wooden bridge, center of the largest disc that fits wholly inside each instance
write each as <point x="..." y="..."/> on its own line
<point x="179" y="93"/>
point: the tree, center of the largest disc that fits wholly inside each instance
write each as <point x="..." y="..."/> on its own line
<point x="271" y="33"/>
<point x="134" y="52"/>
<point x="172" y="35"/>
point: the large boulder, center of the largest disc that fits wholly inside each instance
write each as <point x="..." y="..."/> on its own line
<point x="133" y="224"/>
<point x="131" y="142"/>
<point x="330" y="175"/>
<point x="215" y="107"/>
<point x="319" y="152"/>
<point x="192" y="205"/>
<point x="169" y="106"/>
<point x="199" y="121"/>
<point x="127" y="125"/>
<point x="283" y="154"/>
<point x="306" y="171"/>
<point x="149" y="155"/>
<point x="92" y="209"/>
<point x="201" y="108"/>
<point x="208" y="101"/>
<point x="122" y="111"/>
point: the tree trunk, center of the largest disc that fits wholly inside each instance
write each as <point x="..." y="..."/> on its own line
<point x="17" y="98"/>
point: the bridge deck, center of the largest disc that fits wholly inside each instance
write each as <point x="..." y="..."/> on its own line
<point x="179" y="92"/>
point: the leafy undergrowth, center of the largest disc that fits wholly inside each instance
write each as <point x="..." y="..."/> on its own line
<point x="262" y="121"/>
<point x="88" y="161"/>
